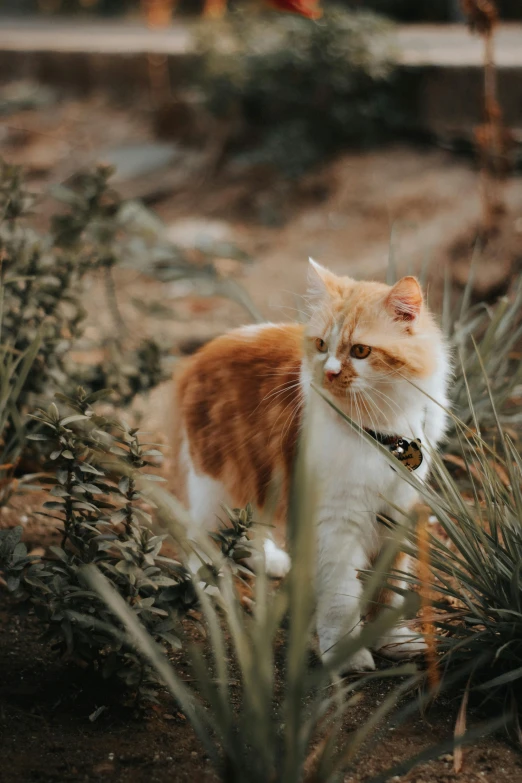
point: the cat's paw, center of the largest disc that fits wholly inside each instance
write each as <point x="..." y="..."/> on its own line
<point x="401" y="643"/>
<point x="277" y="561"/>
<point x="361" y="661"/>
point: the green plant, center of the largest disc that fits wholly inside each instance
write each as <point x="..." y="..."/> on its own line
<point x="295" y="91"/>
<point x="487" y="342"/>
<point x="99" y="501"/>
<point x="273" y="722"/>
<point x="42" y="315"/>
<point x="42" y="273"/>
<point x="477" y="500"/>
<point x="478" y="565"/>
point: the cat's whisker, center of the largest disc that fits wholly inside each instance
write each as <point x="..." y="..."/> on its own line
<point x="385" y="399"/>
<point x="366" y="408"/>
<point x="299" y="401"/>
<point x="359" y="419"/>
<point x="389" y="400"/>
<point x="288" y="424"/>
<point x="380" y="415"/>
<point x="279" y="390"/>
<point x="370" y="409"/>
<point x="296" y="372"/>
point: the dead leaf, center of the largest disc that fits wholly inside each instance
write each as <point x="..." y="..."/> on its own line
<point x="460" y="730"/>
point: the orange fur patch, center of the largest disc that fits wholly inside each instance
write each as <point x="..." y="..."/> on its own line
<point x="239" y="402"/>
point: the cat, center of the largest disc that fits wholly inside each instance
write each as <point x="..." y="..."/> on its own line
<point x="242" y="399"/>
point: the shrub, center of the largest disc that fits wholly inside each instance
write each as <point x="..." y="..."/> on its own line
<point x="98" y="500"/>
<point x="477" y="500"/>
<point x="487" y="343"/>
<point x="296" y="90"/>
<point x="41" y="283"/>
<point x="42" y="314"/>
<point x="478" y="567"/>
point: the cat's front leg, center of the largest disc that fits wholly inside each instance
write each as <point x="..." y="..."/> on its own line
<point x="400" y="641"/>
<point x="341" y="554"/>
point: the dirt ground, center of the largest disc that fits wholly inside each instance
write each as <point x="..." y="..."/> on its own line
<point x="419" y="204"/>
<point x="49" y="732"/>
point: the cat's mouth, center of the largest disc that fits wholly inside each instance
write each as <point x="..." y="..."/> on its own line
<point x="338" y="387"/>
<point x="339" y="383"/>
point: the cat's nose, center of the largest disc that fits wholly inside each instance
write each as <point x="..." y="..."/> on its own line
<point x="331" y="374"/>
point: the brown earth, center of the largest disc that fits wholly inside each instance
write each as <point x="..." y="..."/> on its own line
<point x="49" y="730"/>
<point x="425" y="201"/>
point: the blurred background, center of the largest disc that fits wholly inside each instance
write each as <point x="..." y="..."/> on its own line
<point x="246" y="139"/>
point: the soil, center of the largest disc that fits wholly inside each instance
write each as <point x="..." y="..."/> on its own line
<point x="422" y="203"/>
<point x="50" y="730"/>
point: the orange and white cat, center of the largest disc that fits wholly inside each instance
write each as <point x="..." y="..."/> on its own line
<point x="243" y="398"/>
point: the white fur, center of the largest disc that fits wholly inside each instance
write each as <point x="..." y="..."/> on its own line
<point x="355" y="483"/>
<point x="206" y="497"/>
<point x="277" y="561"/>
<point x="252" y="330"/>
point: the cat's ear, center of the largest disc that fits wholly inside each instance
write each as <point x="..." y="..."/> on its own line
<point x="404" y="302"/>
<point x="321" y="282"/>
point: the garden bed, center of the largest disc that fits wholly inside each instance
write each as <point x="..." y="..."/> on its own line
<point x="52" y="725"/>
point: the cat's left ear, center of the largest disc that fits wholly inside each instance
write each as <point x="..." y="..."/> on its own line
<point x="404" y="302"/>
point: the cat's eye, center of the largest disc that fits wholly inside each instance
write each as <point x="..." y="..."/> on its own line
<point x="359" y="351"/>
<point x="320" y="345"/>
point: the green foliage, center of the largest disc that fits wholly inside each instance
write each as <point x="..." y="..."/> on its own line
<point x="42" y="316"/>
<point x="13" y="557"/>
<point x="296" y="91"/>
<point x="476" y="497"/>
<point x="273" y="722"/>
<point x="479" y="565"/>
<point x="99" y="500"/>
<point x="487" y="343"/>
<point x="233" y="539"/>
<point x="42" y="274"/>
<point x="102" y="519"/>
<point x="478" y="501"/>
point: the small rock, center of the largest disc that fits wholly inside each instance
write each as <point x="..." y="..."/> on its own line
<point x="194" y="232"/>
<point x="135" y="160"/>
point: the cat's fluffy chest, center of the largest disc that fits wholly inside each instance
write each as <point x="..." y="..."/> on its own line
<point x="352" y="474"/>
<point x="342" y="461"/>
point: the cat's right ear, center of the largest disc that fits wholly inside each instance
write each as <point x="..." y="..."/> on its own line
<point x="321" y="282"/>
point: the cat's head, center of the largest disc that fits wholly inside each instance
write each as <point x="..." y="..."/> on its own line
<point x="364" y="337"/>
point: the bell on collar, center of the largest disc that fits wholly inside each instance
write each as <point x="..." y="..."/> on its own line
<point x="408" y="452"/>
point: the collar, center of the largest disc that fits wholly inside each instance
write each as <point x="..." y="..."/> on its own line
<point x="408" y="452"/>
<point x="383" y="438"/>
